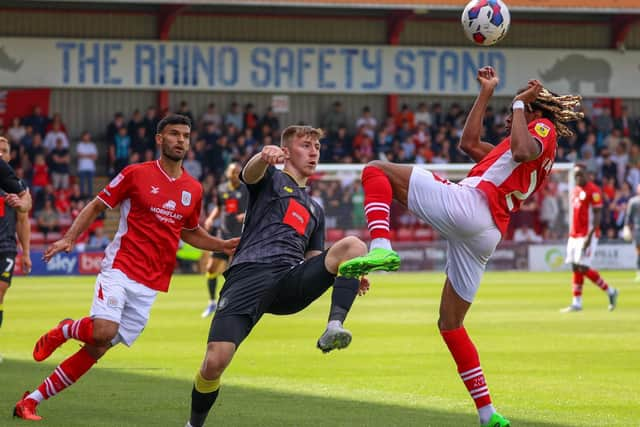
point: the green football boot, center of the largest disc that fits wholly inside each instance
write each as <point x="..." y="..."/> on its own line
<point x="497" y="420"/>
<point x="376" y="259"/>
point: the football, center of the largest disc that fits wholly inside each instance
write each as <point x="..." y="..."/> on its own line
<point x="486" y="22"/>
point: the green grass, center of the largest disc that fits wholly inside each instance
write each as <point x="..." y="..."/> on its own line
<point x="544" y="368"/>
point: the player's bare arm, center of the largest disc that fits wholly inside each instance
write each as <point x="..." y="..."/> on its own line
<point x="23" y="230"/>
<point x="79" y="226"/>
<point x="524" y="146"/>
<point x="20" y="202"/>
<point x="215" y="213"/>
<point x="199" y="238"/>
<point x="597" y="216"/>
<point x="470" y="141"/>
<point x="257" y="165"/>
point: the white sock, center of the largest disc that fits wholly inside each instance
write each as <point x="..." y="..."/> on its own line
<point x="380" y="242"/>
<point x="485" y="413"/>
<point x="334" y="324"/>
<point x="611" y="290"/>
<point x="577" y="301"/>
<point x="66" y="332"/>
<point x="36" y="395"/>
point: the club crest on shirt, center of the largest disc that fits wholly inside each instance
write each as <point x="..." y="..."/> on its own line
<point x="582" y="195"/>
<point x="117" y="180"/>
<point x="542" y="129"/>
<point x="186" y="198"/>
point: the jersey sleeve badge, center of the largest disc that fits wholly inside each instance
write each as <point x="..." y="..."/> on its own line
<point x="542" y="129"/>
<point x="596" y="198"/>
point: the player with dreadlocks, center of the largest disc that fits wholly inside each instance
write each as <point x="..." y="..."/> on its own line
<point x="471" y="215"/>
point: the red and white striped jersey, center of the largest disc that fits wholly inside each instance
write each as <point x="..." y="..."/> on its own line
<point x="154" y="209"/>
<point x="508" y="183"/>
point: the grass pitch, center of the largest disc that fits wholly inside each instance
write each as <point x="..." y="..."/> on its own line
<point x="544" y="368"/>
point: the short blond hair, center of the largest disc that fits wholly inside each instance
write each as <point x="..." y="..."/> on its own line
<point x="297" y="131"/>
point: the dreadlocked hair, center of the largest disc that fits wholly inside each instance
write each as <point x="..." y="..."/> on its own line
<point x="559" y="109"/>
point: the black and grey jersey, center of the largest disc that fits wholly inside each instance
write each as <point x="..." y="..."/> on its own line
<point x="232" y="202"/>
<point x="281" y="224"/>
<point x="7" y="226"/>
<point x="9" y="182"/>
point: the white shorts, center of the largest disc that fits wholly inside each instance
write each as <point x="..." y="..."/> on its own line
<point x="461" y="215"/>
<point x="575" y="255"/>
<point x="124" y="301"/>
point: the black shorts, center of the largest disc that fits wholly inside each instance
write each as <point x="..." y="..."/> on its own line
<point x="7" y="263"/>
<point x="221" y="255"/>
<point x="250" y="290"/>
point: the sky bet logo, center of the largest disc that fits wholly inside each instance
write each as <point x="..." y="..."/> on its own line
<point x="62" y="263"/>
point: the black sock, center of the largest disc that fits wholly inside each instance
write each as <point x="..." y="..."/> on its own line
<point x="212" y="284"/>
<point x="1" y="312"/>
<point x="637" y="264"/>
<point x="344" y="292"/>
<point x="201" y="404"/>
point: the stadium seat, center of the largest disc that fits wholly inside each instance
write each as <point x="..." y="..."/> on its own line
<point x="405" y="235"/>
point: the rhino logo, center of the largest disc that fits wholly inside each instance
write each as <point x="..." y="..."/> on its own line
<point x="8" y="63"/>
<point x="577" y="69"/>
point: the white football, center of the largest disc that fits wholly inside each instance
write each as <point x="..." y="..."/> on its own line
<point x="486" y="22"/>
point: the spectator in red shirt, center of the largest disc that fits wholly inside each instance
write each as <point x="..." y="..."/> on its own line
<point x="405" y="114"/>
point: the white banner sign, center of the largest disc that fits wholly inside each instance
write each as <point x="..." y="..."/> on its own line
<point x="31" y="62"/>
<point x="607" y="257"/>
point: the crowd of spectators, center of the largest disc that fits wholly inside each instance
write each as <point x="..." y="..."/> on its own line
<point x="43" y="150"/>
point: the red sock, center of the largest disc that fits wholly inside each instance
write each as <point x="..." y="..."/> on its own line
<point x="578" y="280"/>
<point x="466" y="357"/>
<point x="81" y="329"/>
<point x="67" y="373"/>
<point x="594" y="276"/>
<point x="377" y="201"/>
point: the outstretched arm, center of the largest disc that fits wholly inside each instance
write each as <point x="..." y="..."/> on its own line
<point x="79" y="226"/>
<point x="470" y="141"/>
<point x="256" y="167"/>
<point x="200" y="239"/>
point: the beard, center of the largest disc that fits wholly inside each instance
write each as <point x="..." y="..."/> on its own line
<point x="166" y="152"/>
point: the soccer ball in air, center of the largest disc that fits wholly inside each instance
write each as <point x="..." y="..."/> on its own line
<point x="485" y="22"/>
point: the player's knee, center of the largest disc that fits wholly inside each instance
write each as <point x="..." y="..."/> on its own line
<point x="353" y="247"/>
<point x="214" y="365"/>
<point x="372" y="168"/>
<point x="103" y="333"/>
<point x="376" y="164"/>
<point x="447" y="324"/>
